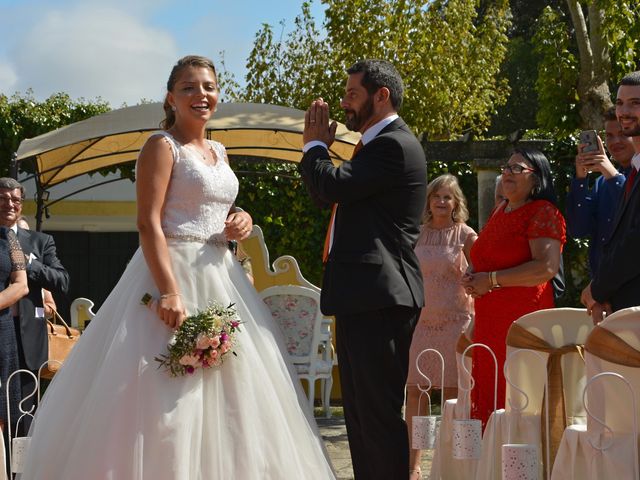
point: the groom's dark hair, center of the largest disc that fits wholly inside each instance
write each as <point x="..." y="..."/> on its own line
<point x="378" y="74"/>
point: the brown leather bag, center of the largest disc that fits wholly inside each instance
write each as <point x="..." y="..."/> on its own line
<point x="61" y="339"/>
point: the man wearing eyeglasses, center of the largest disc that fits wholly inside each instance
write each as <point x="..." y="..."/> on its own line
<point x="44" y="270"/>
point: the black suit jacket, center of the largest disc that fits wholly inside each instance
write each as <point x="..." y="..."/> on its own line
<point x="381" y="196"/>
<point x="44" y="271"/>
<point x="617" y="279"/>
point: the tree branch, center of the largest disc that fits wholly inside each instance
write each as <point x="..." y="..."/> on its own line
<point x="582" y="39"/>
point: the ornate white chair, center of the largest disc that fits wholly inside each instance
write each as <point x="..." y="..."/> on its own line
<point x="296" y="310"/>
<point x="444" y="466"/>
<point x="595" y="451"/>
<point x="556" y="335"/>
<point x="81" y="312"/>
<point x="286" y="271"/>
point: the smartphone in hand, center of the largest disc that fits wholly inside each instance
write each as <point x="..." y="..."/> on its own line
<point x="590" y="140"/>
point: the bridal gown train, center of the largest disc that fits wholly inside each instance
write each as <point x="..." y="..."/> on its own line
<point x="111" y="414"/>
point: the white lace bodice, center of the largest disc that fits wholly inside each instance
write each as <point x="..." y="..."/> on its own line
<point x="199" y="195"/>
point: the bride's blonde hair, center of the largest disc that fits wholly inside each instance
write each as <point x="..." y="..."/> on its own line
<point x="460" y="212"/>
<point x="184" y="62"/>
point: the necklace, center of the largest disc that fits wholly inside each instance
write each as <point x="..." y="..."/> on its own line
<point x="208" y="159"/>
<point x="203" y="153"/>
<point x="510" y="207"/>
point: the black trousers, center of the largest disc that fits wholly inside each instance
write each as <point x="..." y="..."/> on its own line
<point x="373" y="360"/>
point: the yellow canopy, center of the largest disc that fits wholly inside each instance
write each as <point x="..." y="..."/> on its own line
<point x="115" y="137"/>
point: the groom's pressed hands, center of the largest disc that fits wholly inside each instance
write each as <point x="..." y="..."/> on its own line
<point x="317" y="125"/>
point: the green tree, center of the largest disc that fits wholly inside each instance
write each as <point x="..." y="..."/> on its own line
<point x="287" y="70"/>
<point x="22" y="116"/>
<point x="520" y="69"/>
<point x="583" y="51"/>
<point x="447" y="51"/>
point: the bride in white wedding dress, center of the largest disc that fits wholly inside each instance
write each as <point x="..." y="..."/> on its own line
<point x="110" y="413"/>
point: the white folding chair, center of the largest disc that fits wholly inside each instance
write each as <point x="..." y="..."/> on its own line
<point x="605" y="447"/>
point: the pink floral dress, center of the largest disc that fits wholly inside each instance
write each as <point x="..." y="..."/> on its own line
<point x="448" y="309"/>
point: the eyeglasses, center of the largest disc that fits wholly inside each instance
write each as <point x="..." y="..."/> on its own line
<point x="515" y="169"/>
<point x="14" y="200"/>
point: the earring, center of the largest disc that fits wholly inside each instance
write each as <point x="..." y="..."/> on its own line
<point x="173" y="107"/>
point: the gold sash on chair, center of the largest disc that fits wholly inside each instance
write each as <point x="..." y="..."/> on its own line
<point x="519" y="337"/>
<point x="606" y="345"/>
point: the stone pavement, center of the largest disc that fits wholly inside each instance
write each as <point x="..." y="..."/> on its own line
<point x="334" y="435"/>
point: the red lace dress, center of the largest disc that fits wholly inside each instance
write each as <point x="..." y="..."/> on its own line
<point x="504" y="243"/>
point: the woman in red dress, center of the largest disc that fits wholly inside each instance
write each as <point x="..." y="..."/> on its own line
<point x="513" y="260"/>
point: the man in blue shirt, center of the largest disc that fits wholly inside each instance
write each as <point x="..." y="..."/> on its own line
<point x="590" y="211"/>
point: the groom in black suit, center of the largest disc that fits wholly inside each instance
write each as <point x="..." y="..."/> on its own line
<point x="616" y="282"/>
<point x="44" y="270"/>
<point x="372" y="281"/>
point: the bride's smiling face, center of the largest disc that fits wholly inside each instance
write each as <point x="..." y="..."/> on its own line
<point x="195" y="94"/>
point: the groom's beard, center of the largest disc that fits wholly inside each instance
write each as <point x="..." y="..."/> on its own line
<point x="360" y="117"/>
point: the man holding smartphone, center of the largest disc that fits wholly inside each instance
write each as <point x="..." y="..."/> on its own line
<point x="616" y="281"/>
<point x="591" y="209"/>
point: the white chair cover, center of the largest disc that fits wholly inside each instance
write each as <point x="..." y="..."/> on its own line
<point x="443" y="465"/>
<point x="559" y="329"/>
<point x="614" y="346"/>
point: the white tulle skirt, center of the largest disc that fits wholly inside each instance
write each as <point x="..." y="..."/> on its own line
<point x="111" y="414"/>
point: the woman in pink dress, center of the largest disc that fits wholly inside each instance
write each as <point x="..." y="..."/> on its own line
<point x="443" y="250"/>
<point x="514" y="260"/>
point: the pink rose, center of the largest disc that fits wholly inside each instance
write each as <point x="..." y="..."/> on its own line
<point x="202" y="342"/>
<point x="189" y="360"/>
<point x="224" y="348"/>
<point x="214" y="342"/>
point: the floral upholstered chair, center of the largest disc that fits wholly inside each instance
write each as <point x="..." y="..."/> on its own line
<point x="296" y="309"/>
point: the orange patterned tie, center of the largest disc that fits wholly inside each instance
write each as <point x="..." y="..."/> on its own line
<point x="327" y="239"/>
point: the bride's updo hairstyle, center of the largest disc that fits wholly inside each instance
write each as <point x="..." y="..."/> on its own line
<point x="185" y="62"/>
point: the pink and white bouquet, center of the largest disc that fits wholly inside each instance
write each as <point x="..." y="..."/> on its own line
<point x="201" y="341"/>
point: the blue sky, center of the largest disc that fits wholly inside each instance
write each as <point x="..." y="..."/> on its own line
<point x="122" y="50"/>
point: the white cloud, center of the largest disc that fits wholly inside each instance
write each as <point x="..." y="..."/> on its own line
<point x="93" y="51"/>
